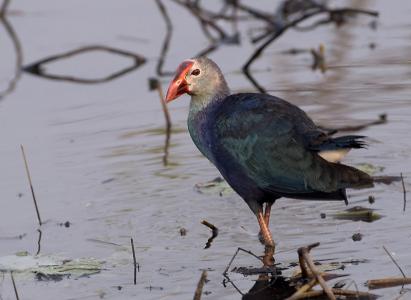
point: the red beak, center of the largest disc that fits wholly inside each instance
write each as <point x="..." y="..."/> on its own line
<point x="178" y="85"/>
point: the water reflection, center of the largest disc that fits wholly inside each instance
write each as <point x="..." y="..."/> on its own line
<point x="17" y="50"/>
<point x="38" y="68"/>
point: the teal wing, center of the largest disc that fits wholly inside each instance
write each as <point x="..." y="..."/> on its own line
<point x="269" y="140"/>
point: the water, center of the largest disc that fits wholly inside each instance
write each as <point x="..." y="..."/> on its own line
<point x="96" y="151"/>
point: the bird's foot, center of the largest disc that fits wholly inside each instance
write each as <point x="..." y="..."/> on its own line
<point x="268" y="259"/>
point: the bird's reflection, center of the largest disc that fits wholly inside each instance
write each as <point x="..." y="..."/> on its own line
<point x="270" y="284"/>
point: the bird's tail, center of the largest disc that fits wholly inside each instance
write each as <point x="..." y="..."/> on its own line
<point x="344" y="142"/>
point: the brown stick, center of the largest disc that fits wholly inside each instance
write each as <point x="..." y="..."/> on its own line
<point x="306" y="255"/>
<point x="404" y="192"/>
<point x="302" y="290"/>
<point x="214" y="233"/>
<point x="14" y="286"/>
<point x="387" y="282"/>
<point x="31" y="185"/>
<point x="347" y="293"/>
<point x="303" y="266"/>
<point x="200" y="285"/>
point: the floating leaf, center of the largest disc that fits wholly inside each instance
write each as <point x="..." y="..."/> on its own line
<point x="358" y="213"/>
<point x="47" y="267"/>
<point x="216" y="186"/>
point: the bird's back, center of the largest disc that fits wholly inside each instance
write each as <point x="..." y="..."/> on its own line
<point x="261" y="145"/>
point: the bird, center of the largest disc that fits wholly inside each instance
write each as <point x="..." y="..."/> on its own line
<point x="263" y="146"/>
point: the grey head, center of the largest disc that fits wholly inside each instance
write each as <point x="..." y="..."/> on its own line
<point x="201" y="78"/>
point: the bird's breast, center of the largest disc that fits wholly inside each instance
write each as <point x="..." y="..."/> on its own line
<point x="198" y="127"/>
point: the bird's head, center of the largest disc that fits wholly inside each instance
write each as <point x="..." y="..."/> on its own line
<point x="196" y="77"/>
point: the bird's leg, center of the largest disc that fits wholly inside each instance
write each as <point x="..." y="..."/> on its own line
<point x="265" y="231"/>
<point x="267" y="212"/>
<point x="268" y="258"/>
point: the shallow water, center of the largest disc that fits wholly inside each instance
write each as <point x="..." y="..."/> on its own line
<point x="96" y="151"/>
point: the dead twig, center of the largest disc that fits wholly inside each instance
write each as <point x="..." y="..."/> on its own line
<point x="305" y="252"/>
<point x="303" y="266"/>
<point x="214" y="233"/>
<point x="404" y="192"/>
<point x="395" y="263"/>
<point x="31" y="185"/>
<point x="200" y="285"/>
<point x="14" y="286"/>
<point x="387" y="282"/>
<point x="39" y="242"/>
<point x="302" y="290"/>
<point x="155" y="84"/>
<point x="135" y="264"/>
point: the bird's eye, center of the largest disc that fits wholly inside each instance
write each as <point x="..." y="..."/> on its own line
<point x="196" y="72"/>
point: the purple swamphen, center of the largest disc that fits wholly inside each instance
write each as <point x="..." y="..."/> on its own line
<point x="264" y="147"/>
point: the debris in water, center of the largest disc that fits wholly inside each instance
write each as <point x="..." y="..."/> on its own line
<point x="108" y="180"/>
<point x="65" y="224"/>
<point x="154" y="288"/>
<point x="356" y="237"/>
<point x="183" y="231"/>
<point x="319" y="59"/>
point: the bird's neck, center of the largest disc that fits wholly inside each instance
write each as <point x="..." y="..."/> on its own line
<point x="200" y="102"/>
<point x="200" y="116"/>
